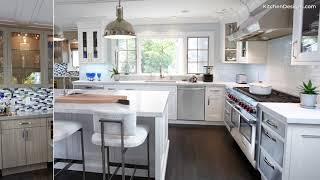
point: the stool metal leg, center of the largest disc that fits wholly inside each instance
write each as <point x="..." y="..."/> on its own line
<point x="82" y="153"/>
<point x="148" y="152"/>
<point x="122" y="152"/>
<point x="103" y="153"/>
<point x="108" y="161"/>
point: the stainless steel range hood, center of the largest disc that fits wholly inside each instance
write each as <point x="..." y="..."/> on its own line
<point x="266" y="23"/>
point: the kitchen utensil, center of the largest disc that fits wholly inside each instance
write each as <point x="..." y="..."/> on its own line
<point x="90" y="98"/>
<point x="260" y="88"/>
<point x="241" y="78"/>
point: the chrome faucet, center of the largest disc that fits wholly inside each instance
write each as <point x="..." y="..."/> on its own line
<point x="161" y="73"/>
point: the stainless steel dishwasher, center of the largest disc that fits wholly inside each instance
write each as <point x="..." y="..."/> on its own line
<point x="191" y="103"/>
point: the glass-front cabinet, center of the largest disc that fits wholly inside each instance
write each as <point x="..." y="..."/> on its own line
<point x="24" y="58"/>
<point x="306" y="33"/>
<point x="90" y="46"/>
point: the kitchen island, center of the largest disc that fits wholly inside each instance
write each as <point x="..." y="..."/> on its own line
<point x="152" y="110"/>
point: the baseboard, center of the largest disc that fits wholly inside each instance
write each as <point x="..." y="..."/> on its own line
<point x="211" y="123"/>
<point x="22" y="169"/>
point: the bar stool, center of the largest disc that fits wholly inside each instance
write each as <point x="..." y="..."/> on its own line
<point x="62" y="130"/>
<point x="119" y="129"/>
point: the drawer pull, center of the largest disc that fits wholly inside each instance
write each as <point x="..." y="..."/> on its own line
<point x="311" y="136"/>
<point x="271" y="124"/>
<point x="268" y="163"/>
<point x="25" y="123"/>
<point x="268" y="135"/>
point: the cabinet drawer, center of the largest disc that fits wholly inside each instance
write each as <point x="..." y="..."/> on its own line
<point x="274" y="124"/>
<point x="268" y="168"/>
<point x="215" y="91"/>
<point x="272" y="145"/>
<point x="23" y="123"/>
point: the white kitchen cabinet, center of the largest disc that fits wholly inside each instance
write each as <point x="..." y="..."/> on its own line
<point x="172" y="99"/>
<point x="252" y="52"/>
<point x="214" y="107"/>
<point x="91" y="42"/>
<point x="24" y="142"/>
<point x="305" y="37"/>
<point x="305" y="160"/>
<point x="287" y="151"/>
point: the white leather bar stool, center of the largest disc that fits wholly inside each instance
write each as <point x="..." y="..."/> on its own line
<point x="62" y="130"/>
<point x="119" y="129"/>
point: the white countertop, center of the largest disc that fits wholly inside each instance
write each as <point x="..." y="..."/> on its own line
<point x="292" y="113"/>
<point x="144" y="103"/>
<point x="164" y="83"/>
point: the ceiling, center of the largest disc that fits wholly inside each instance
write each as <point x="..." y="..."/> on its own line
<point x="69" y="12"/>
<point x="27" y="12"/>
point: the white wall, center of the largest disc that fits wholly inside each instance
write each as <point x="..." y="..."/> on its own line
<point x="278" y="71"/>
<point x="222" y="72"/>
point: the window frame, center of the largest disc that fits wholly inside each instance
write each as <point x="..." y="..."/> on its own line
<point x="8" y="71"/>
<point x="127" y="52"/>
<point x="187" y="51"/>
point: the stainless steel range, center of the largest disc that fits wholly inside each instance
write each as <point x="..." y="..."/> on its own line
<point x="241" y="116"/>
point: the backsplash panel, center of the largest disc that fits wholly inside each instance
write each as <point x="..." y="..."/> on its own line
<point x="279" y="72"/>
<point x="27" y="100"/>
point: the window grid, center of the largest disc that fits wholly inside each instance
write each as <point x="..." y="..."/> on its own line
<point x="127" y="51"/>
<point x="197" y="50"/>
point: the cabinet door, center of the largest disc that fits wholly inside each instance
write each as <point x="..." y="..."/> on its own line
<point x="214" y="104"/>
<point x="13" y="148"/>
<point x="172" y="106"/>
<point x="305" y="157"/>
<point x="83" y="45"/>
<point x="305" y="43"/>
<point x="242" y="51"/>
<point x="36" y="145"/>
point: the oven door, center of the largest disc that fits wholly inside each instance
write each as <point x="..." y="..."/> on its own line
<point x="247" y="138"/>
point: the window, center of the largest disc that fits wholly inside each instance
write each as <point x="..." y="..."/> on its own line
<point x="127" y="56"/>
<point x="25" y="49"/>
<point x="164" y="54"/>
<point x="198" y="54"/>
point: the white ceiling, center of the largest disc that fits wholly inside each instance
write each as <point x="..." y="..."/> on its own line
<point x="29" y="12"/>
<point x="68" y="12"/>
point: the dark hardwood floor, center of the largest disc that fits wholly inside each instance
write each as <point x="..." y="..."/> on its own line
<point x="206" y="153"/>
<point x="196" y="153"/>
<point x="44" y="174"/>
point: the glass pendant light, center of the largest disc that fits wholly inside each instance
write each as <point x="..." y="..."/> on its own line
<point x="119" y="28"/>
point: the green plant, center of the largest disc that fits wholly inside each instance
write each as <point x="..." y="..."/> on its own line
<point x="308" y="88"/>
<point x="114" y="71"/>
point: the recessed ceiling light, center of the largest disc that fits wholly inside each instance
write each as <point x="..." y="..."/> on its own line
<point x="185" y="11"/>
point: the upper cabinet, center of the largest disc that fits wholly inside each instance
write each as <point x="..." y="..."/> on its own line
<point x="252" y="52"/>
<point x="90" y="37"/>
<point x="244" y="52"/>
<point x="306" y="41"/>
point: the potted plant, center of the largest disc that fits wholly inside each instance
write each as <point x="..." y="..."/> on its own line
<point x="115" y="74"/>
<point x="308" y="95"/>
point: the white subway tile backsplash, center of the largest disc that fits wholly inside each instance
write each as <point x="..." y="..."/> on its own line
<point x="279" y="72"/>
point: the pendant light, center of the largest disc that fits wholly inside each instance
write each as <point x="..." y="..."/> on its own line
<point x="119" y="28"/>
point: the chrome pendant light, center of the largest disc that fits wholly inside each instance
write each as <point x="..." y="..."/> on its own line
<point x="119" y="28"/>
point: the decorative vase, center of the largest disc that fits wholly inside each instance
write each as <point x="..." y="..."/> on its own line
<point x="308" y="100"/>
<point x="116" y="77"/>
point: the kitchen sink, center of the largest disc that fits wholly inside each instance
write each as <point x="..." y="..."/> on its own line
<point x="163" y="81"/>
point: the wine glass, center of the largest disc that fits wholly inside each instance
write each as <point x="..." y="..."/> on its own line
<point x="99" y="76"/>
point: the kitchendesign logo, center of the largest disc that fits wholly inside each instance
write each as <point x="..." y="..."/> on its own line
<point x="288" y="6"/>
